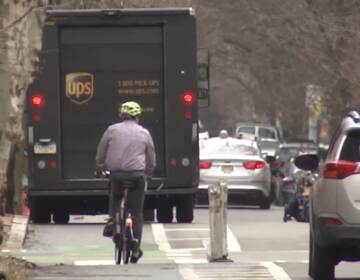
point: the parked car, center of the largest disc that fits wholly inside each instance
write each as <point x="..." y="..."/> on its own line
<point x="267" y="136"/>
<point x="239" y="163"/>
<point x="287" y="151"/>
<point x="335" y="201"/>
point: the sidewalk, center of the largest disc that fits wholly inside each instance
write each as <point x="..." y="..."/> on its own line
<point x="15" y="227"/>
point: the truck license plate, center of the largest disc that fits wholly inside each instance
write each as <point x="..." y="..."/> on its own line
<point x="42" y="148"/>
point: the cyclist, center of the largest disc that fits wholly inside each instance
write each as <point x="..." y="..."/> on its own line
<point x="126" y="149"/>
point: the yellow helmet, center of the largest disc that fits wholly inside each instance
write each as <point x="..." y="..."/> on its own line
<point x="131" y="108"/>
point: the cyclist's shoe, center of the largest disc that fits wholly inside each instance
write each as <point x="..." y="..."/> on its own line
<point x="109" y="228"/>
<point x="136" y="256"/>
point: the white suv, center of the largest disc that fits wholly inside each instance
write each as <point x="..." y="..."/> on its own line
<point x="335" y="201"/>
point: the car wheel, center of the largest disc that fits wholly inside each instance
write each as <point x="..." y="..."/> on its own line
<point x="61" y="217"/>
<point x="265" y="203"/>
<point x="280" y="198"/>
<point x="311" y="259"/>
<point x="322" y="262"/>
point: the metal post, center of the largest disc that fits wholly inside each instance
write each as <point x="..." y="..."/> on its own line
<point x="218" y="222"/>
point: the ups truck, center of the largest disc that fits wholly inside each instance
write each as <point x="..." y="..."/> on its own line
<point x="91" y="62"/>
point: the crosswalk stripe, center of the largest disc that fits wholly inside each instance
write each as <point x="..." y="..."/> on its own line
<point x="277" y="271"/>
<point x="234" y="271"/>
<point x="160" y="235"/>
<point x="233" y="244"/>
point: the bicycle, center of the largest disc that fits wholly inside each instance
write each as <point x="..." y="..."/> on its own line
<point x="123" y="237"/>
<point x="123" y="234"/>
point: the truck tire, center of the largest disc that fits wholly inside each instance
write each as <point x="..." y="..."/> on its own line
<point x="61" y="217"/>
<point x="148" y="215"/>
<point x="39" y="211"/>
<point x="164" y="210"/>
<point x="322" y="262"/>
<point x="185" y="208"/>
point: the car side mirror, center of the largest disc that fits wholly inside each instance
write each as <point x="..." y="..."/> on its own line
<point x="307" y="162"/>
<point x="269" y="159"/>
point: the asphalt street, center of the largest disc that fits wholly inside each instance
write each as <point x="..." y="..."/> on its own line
<point x="260" y="246"/>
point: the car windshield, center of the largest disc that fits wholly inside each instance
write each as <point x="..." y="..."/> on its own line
<point x="266" y="133"/>
<point x="286" y="153"/>
<point x="230" y="148"/>
<point x="247" y="129"/>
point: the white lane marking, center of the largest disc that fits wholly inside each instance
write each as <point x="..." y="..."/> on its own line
<point x="160" y="237"/>
<point x="187" y="229"/>
<point x="178" y="254"/>
<point x="193" y="261"/>
<point x="187" y="239"/>
<point x="94" y="262"/>
<point x="277" y="272"/>
<point x="232" y="243"/>
<point x="5" y="251"/>
<point x="181" y="255"/>
<point x="187" y="272"/>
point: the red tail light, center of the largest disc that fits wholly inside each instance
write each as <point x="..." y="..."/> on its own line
<point x="188" y="115"/>
<point x="254" y="165"/>
<point x="37" y="100"/>
<point x="173" y="162"/>
<point x="333" y="222"/>
<point x="188" y="98"/>
<point x="37" y="117"/>
<point x="205" y="164"/>
<point x="340" y="169"/>
<point x="53" y="164"/>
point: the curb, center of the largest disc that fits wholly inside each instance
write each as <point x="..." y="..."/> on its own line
<point x="17" y="233"/>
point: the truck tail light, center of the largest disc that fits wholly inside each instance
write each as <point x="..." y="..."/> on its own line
<point x="205" y="164"/>
<point x="188" y="114"/>
<point x="188" y="98"/>
<point x="173" y="162"/>
<point x="340" y="169"/>
<point x="254" y="165"/>
<point x="53" y="164"/>
<point x="37" y="100"/>
<point x="37" y="117"/>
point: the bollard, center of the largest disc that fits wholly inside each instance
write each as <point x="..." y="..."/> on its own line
<point x="218" y="222"/>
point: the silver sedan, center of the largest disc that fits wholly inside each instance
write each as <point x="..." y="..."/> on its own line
<point x="239" y="163"/>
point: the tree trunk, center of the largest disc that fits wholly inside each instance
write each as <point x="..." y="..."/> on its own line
<point x="5" y="147"/>
<point x="10" y="188"/>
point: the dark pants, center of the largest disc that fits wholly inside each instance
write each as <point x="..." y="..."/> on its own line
<point x="135" y="201"/>
<point x="296" y="208"/>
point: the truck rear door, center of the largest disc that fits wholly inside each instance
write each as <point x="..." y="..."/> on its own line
<point x="100" y="68"/>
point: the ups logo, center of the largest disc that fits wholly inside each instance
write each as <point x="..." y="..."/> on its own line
<point x="79" y="87"/>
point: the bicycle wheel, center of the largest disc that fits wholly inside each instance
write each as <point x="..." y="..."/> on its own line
<point x="118" y="249"/>
<point x="126" y="249"/>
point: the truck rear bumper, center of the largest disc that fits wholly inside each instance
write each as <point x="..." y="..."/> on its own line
<point x="105" y="192"/>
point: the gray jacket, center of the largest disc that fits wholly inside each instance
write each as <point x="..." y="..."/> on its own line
<point x="126" y="146"/>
